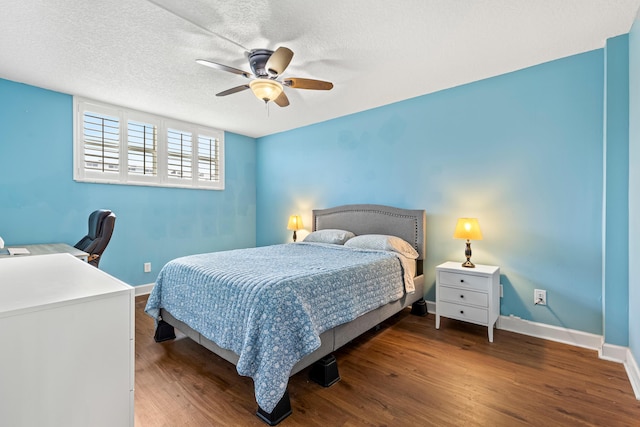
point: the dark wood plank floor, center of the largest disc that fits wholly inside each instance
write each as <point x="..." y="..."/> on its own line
<point x="405" y="374"/>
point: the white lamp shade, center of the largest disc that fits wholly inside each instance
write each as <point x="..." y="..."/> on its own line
<point x="266" y="89"/>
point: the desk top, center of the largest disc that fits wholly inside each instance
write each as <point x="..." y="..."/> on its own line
<point x="29" y="282"/>
<point x="47" y="249"/>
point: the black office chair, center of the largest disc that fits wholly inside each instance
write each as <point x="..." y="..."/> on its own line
<point x="101" y="223"/>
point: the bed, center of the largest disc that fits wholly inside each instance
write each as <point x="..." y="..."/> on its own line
<point x="308" y="300"/>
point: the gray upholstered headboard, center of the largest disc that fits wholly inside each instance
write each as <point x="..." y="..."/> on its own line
<point x="408" y="224"/>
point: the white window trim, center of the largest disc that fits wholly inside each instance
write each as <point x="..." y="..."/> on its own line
<point x="80" y="174"/>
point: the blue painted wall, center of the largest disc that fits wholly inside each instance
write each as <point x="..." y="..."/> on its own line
<point x="522" y="152"/>
<point x="616" y="177"/>
<point x="634" y="189"/>
<point x="40" y="202"/>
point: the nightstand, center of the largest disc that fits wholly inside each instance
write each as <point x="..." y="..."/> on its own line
<point x="468" y="294"/>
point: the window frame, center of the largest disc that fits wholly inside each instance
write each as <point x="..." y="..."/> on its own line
<point x="79" y="148"/>
<point x="163" y="124"/>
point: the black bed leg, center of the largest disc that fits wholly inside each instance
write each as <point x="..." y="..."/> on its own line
<point x="325" y="371"/>
<point x="419" y="308"/>
<point x="279" y="413"/>
<point x="164" y="332"/>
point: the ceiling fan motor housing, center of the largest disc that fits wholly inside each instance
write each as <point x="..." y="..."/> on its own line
<point x="258" y="60"/>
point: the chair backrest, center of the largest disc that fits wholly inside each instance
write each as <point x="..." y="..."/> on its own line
<point x="101" y="224"/>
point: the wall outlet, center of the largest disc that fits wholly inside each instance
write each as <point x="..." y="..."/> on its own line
<point x="147" y="267"/>
<point x="540" y="297"/>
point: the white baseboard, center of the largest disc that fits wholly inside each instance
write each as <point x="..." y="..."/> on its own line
<point x="431" y="307"/>
<point x="614" y="353"/>
<point x="633" y="373"/>
<point x="550" y="332"/>
<point x="144" y="289"/>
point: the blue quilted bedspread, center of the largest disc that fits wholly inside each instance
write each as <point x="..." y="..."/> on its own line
<point x="270" y="304"/>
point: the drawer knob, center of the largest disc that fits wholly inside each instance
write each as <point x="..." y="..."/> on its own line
<point x="461" y="280"/>
<point x="461" y="311"/>
<point x="461" y="296"/>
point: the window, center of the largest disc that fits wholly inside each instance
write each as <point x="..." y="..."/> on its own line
<point x="120" y="146"/>
<point x="142" y="148"/>
<point x="180" y="153"/>
<point x="208" y="155"/>
<point x="101" y="135"/>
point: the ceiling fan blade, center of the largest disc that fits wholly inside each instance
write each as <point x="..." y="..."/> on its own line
<point x="223" y="67"/>
<point x="299" y="83"/>
<point x="282" y="100"/>
<point x="279" y="61"/>
<point x="233" y="90"/>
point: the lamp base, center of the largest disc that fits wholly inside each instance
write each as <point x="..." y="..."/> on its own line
<point x="467" y="253"/>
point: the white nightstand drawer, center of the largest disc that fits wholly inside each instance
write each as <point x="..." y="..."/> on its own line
<point x="462" y="312"/>
<point x="465" y="280"/>
<point x="463" y="296"/>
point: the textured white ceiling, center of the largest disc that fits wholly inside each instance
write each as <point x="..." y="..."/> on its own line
<point x="139" y="54"/>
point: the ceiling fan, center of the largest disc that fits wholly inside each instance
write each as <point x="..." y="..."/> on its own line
<point x="267" y="83"/>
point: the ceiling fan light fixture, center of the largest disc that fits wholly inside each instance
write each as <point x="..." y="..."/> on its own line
<point x="266" y="89"/>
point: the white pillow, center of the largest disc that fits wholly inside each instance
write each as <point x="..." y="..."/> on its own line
<point x="383" y="242"/>
<point x="329" y="235"/>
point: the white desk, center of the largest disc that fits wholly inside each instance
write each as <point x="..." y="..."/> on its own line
<point x="67" y="334"/>
<point x="47" y="249"/>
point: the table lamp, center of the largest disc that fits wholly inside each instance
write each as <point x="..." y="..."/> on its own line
<point x="295" y="223"/>
<point x="468" y="228"/>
